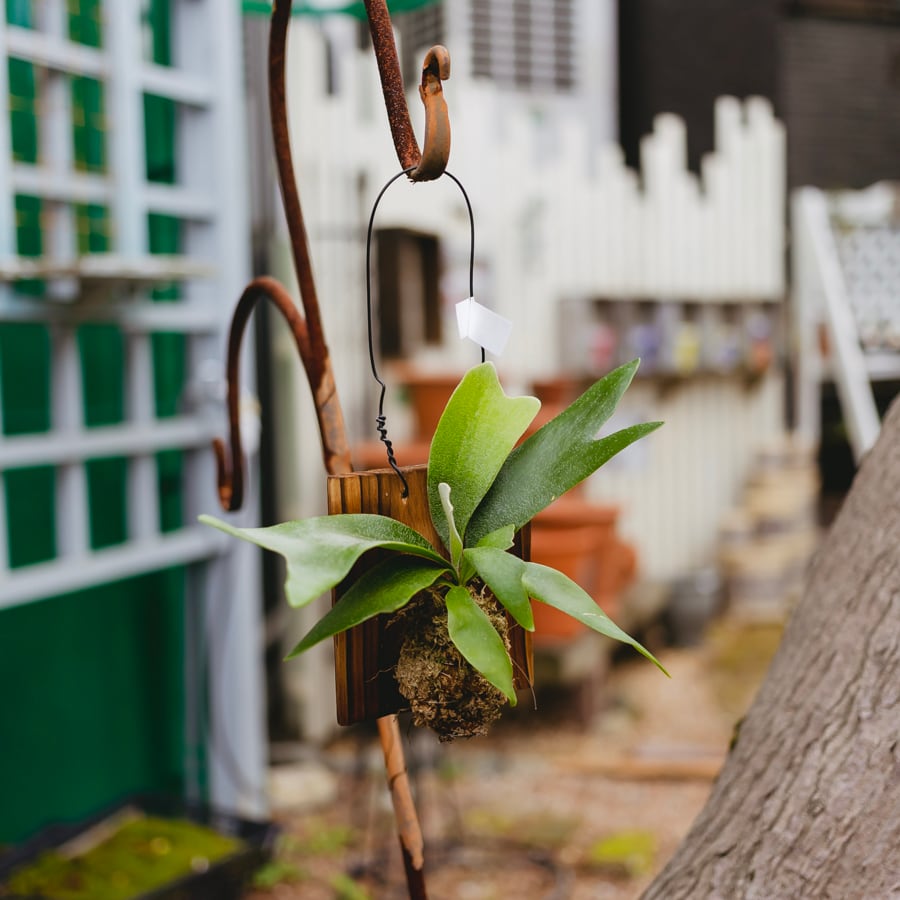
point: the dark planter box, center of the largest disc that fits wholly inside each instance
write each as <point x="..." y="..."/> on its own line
<point x="225" y="879"/>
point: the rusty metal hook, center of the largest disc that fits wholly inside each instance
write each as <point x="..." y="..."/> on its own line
<point x="436" y="146"/>
<point x="230" y="462"/>
<point x="430" y="163"/>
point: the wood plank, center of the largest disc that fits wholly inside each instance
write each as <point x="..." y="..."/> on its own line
<point x="695" y="767"/>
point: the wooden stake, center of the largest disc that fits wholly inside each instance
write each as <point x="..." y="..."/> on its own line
<point x="412" y="843"/>
<point x="365" y="656"/>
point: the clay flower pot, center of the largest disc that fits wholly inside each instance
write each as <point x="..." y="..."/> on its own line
<point x="579" y="538"/>
<point x="428" y="395"/>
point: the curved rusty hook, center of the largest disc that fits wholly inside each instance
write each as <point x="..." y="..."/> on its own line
<point x="431" y="162"/>
<point x="307" y="326"/>
<point x="436" y="146"/>
<point x="230" y="462"/>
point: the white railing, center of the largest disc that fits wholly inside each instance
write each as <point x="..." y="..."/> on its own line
<point x="847" y="303"/>
<point x="563" y="222"/>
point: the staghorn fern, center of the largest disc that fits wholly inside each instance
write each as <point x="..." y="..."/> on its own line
<point x="481" y="490"/>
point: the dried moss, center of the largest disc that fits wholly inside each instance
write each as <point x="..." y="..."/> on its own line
<point x="444" y="692"/>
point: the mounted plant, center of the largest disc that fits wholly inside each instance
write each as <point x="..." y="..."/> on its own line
<point x="451" y="602"/>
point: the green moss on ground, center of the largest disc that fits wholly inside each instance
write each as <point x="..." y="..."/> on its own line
<point x="141" y="856"/>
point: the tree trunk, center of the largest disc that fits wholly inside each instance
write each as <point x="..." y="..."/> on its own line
<point x="808" y="802"/>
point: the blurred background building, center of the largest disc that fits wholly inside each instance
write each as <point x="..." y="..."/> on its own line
<point x="630" y="167"/>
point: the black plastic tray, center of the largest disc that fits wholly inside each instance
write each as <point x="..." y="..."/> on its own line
<point x="226" y="879"/>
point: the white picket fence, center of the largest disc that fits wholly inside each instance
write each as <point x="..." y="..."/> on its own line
<point x="555" y="221"/>
<point x="554" y="218"/>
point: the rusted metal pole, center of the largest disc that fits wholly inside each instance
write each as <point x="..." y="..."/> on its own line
<point x="316" y="359"/>
<point x="412" y="845"/>
<point x="311" y="344"/>
<point x="281" y="15"/>
<point x="392" y="84"/>
<point x="308" y="333"/>
<point x="431" y="162"/>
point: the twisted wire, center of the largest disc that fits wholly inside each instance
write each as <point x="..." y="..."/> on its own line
<point x="380" y="419"/>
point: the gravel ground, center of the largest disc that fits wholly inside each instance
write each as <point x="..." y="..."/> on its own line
<point x="546" y="807"/>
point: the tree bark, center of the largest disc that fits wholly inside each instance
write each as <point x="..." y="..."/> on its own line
<point x="808" y="802"/>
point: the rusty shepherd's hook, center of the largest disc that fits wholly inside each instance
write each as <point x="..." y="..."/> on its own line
<point x="230" y="465"/>
<point x="307" y="326"/>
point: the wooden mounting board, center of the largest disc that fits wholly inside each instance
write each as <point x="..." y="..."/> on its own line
<point x="365" y="656"/>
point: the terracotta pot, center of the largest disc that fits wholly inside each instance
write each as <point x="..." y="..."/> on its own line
<point x="569" y="550"/>
<point x="572" y="510"/>
<point x="559" y="391"/>
<point x="579" y="539"/>
<point x="428" y="395"/>
<point x="618" y="570"/>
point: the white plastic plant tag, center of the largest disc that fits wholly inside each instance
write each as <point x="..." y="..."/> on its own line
<point x="482" y="325"/>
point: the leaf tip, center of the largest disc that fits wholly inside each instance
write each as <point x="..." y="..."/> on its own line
<point x="213" y="522"/>
<point x="646" y="653"/>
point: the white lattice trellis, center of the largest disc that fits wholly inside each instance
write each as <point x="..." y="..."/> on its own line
<point x="207" y="197"/>
<point x="846" y="302"/>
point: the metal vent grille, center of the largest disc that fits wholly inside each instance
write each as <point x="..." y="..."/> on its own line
<point x="419" y="30"/>
<point x="525" y="44"/>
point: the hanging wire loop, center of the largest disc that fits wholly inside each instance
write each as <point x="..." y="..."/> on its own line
<point x="381" y="419"/>
<point x="430" y="162"/>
